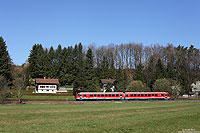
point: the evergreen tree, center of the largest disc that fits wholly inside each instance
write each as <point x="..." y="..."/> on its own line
<point x="5" y="62"/>
<point x="92" y="82"/>
<point x="139" y="74"/>
<point x="160" y="70"/>
<point x="51" y="62"/>
<point x="36" y="63"/>
<point x="150" y="73"/>
<point x="80" y="81"/>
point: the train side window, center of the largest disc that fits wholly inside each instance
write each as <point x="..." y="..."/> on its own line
<point x="84" y="95"/>
<point x="138" y="95"/>
<point x="95" y="95"/>
<point x="120" y="94"/>
<point x="152" y="95"/>
<point x="91" y="95"/>
<point x="162" y="95"/>
<point x="109" y="95"/>
<point x="98" y="95"/>
<point x="149" y="95"/>
<point x="102" y="95"/>
<point x="156" y="95"/>
<point x="113" y="95"/>
<point x="131" y="94"/>
<point x="127" y="95"/>
<point x="142" y="95"/>
<point x="134" y="95"/>
<point x="145" y="95"/>
<point x="106" y="95"/>
<point x="117" y="95"/>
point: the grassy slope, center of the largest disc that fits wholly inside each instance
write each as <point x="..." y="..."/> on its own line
<point x="107" y="117"/>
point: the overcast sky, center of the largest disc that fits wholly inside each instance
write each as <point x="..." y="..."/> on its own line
<point x="24" y="23"/>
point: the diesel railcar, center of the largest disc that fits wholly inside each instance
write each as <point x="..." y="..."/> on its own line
<point x="122" y="96"/>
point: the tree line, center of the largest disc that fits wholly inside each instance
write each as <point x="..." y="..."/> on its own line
<point x="124" y="62"/>
<point x="134" y="66"/>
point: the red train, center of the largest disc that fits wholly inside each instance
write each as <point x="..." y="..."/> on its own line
<point x="122" y="96"/>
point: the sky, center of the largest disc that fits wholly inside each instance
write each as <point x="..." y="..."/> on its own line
<point x="24" y="23"/>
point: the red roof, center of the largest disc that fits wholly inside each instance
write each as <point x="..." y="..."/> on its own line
<point x="105" y="81"/>
<point x="47" y="81"/>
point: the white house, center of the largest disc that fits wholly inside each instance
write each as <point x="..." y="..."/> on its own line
<point x="105" y="82"/>
<point x="46" y="85"/>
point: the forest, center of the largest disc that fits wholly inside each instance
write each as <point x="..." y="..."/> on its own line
<point x="136" y="67"/>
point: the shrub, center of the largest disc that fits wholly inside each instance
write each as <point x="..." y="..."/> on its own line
<point x="3" y="89"/>
<point x="167" y="85"/>
<point x="136" y="86"/>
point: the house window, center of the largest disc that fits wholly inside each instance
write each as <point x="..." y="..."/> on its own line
<point x="47" y="90"/>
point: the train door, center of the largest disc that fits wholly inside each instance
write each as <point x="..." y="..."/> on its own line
<point x="80" y="96"/>
<point x="165" y="96"/>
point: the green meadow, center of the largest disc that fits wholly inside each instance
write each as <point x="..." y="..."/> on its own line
<point x="127" y="117"/>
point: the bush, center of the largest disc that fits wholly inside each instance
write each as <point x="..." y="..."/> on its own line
<point x="3" y="89"/>
<point x="136" y="86"/>
<point x="167" y="85"/>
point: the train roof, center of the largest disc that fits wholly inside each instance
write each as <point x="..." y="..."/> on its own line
<point x="146" y="92"/>
<point x="121" y="92"/>
<point x="101" y="92"/>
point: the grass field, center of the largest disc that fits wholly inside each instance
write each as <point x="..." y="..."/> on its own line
<point x="103" y="117"/>
<point x="45" y="98"/>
